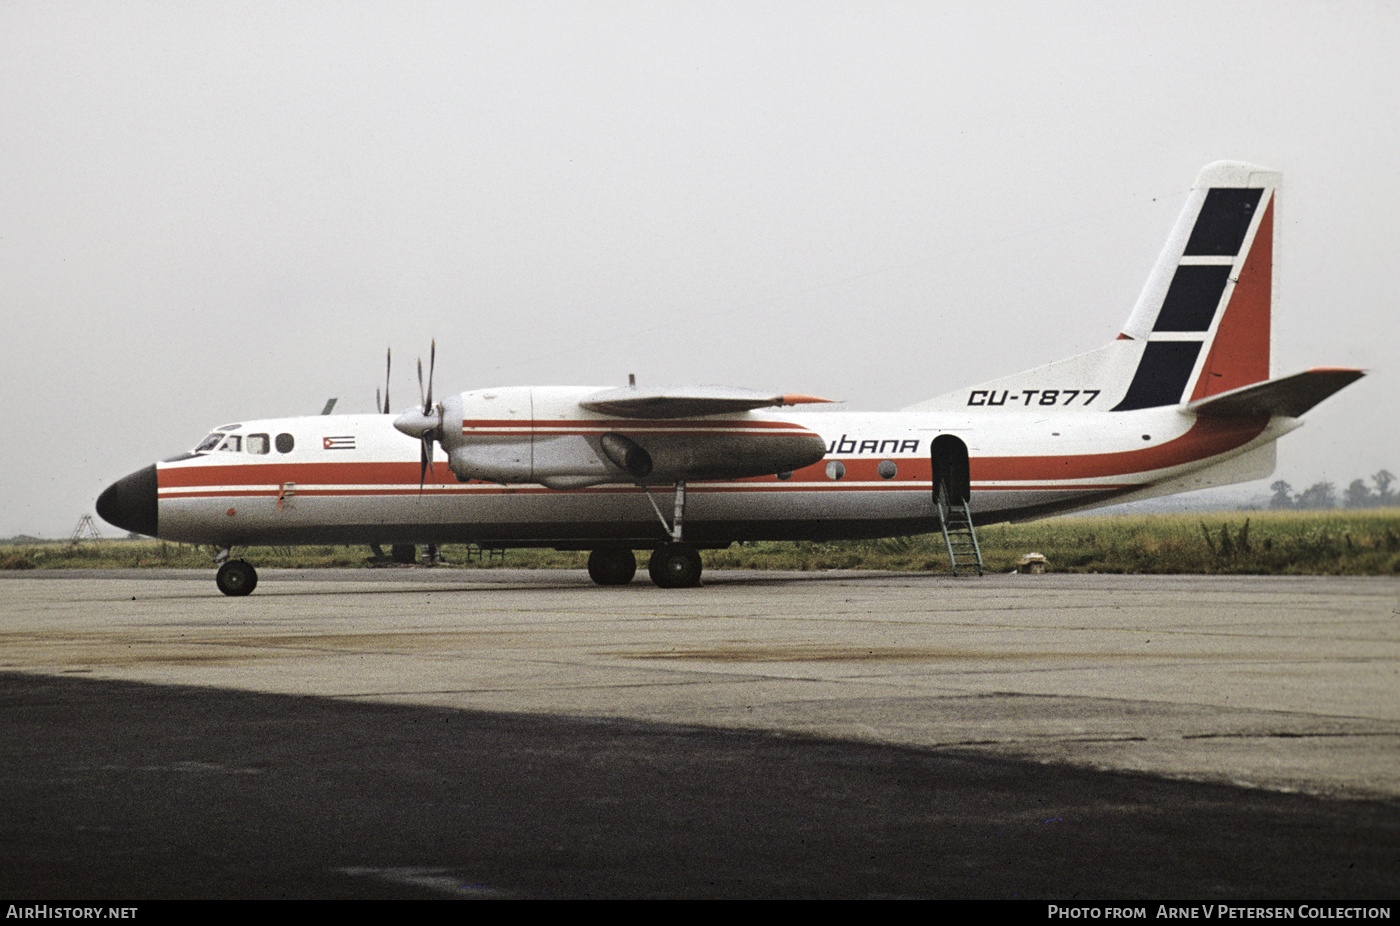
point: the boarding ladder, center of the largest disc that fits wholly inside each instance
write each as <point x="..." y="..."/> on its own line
<point x="958" y="534"/>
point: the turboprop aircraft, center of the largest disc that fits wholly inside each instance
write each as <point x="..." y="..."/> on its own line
<point x="1183" y="399"/>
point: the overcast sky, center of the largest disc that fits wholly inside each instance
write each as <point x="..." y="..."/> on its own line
<point x="217" y="211"/>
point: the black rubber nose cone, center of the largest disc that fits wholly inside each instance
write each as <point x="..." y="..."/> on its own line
<point x="130" y="502"/>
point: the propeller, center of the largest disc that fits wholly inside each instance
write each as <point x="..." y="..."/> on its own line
<point x="425" y="423"/>
<point x="429" y="435"/>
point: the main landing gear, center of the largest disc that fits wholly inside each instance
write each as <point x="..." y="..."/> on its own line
<point x="612" y="566"/>
<point x="236" y="578"/>
<point x="674" y="564"/>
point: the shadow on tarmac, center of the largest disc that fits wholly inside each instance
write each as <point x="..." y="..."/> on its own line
<point x="125" y="790"/>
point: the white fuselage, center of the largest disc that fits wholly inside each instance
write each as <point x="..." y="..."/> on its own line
<point x="355" y="479"/>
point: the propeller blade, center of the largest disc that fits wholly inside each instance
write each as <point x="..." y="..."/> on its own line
<point x="388" y="364"/>
<point x="425" y="457"/>
<point x="422" y="465"/>
<point x="420" y="386"/>
<point x="432" y="362"/>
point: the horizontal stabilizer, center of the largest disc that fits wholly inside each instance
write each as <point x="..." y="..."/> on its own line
<point x="685" y="401"/>
<point x="1288" y="397"/>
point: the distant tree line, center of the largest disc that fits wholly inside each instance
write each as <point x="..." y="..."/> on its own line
<point x="1324" y="494"/>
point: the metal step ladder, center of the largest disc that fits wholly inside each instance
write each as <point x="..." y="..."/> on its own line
<point x="963" y="550"/>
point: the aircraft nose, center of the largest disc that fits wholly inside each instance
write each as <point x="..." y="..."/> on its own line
<point x="130" y="502"/>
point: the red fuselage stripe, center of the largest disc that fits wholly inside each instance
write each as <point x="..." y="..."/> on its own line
<point x="1208" y="437"/>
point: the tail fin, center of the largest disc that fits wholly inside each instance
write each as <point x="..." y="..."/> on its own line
<point x="1201" y="327"/>
<point x="1206" y="310"/>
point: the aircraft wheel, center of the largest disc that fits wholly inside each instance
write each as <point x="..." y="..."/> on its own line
<point x="405" y="554"/>
<point x="237" y="577"/>
<point x="612" y="566"/>
<point x="675" y="565"/>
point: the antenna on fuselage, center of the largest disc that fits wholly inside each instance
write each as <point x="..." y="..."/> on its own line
<point x="330" y="404"/>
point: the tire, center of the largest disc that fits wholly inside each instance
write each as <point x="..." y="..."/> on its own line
<point x="405" y="554"/>
<point x="236" y="578"/>
<point x="676" y="565"/>
<point x="612" y="566"/>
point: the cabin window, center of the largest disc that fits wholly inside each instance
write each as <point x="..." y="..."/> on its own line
<point x="835" y="469"/>
<point x="285" y="443"/>
<point x="887" y="469"/>
<point x="258" y="443"/>
<point x="233" y="443"/>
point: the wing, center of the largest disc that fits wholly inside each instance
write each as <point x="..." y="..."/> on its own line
<point x="723" y="443"/>
<point x="686" y="401"/>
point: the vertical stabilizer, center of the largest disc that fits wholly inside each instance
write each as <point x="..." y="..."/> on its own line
<point x="1201" y="326"/>
<point x="1205" y="313"/>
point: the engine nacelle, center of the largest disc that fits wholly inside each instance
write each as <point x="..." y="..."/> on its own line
<point x="664" y="457"/>
<point x="493" y="437"/>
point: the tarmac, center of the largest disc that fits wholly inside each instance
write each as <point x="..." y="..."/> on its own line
<point x="508" y="733"/>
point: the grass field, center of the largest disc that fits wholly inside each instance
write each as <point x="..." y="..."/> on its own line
<point x="1362" y="542"/>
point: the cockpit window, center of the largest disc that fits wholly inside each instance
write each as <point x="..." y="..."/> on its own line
<point x="209" y="443"/>
<point x="258" y="443"/>
<point x="233" y="443"/>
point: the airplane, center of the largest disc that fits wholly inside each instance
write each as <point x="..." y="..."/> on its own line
<point x="1183" y="399"/>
